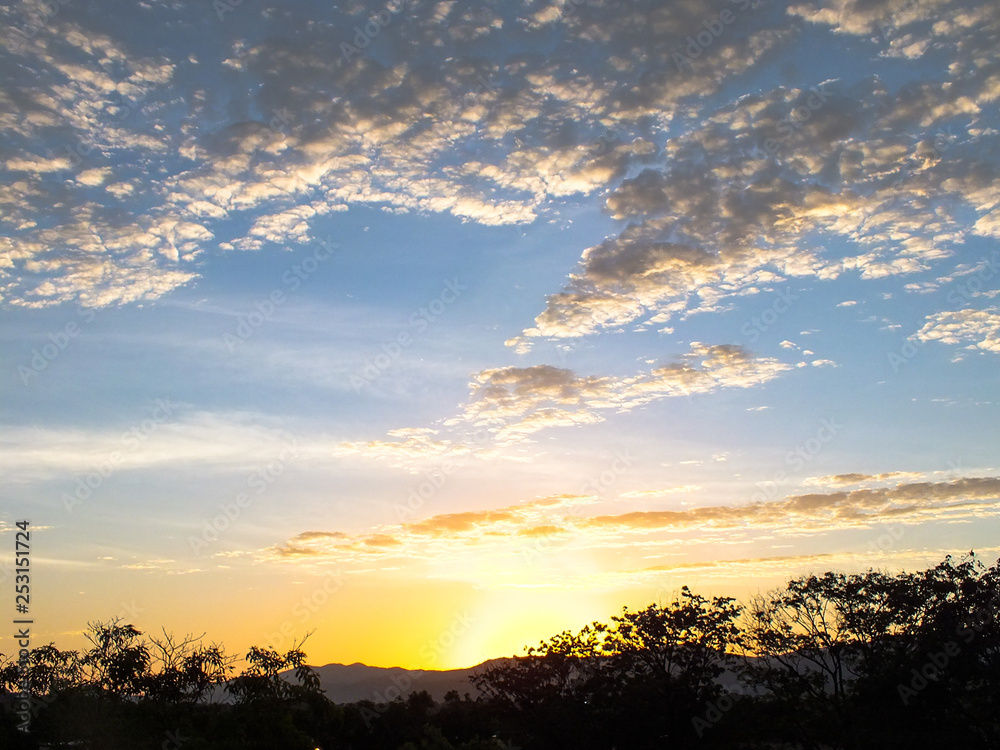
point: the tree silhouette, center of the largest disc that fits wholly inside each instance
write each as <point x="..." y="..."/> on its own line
<point x="118" y="660"/>
<point x="836" y="654"/>
<point x="185" y="670"/>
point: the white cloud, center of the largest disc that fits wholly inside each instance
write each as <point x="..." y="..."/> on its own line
<point x="980" y="327"/>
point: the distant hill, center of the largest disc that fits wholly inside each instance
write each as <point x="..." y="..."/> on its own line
<point x="347" y="683"/>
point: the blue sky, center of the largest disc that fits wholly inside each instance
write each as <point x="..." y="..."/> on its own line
<point x="510" y="311"/>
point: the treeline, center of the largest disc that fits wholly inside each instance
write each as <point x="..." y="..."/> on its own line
<point x="834" y="661"/>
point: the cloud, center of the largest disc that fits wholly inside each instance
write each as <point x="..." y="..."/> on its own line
<point x="890" y="17"/>
<point x="516" y="401"/>
<point x="449" y="117"/>
<point x="536" y="540"/>
<point x="847" y="480"/>
<point x="782" y="567"/>
<point x="94" y="177"/>
<point x="306" y="129"/>
<point x="412" y="446"/>
<point x="969" y="497"/>
<point x="658" y="493"/>
<point x="980" y="327"/>
<point x="165" y="435"/>
<point x="440" y="532"/>
<point x="508" y="404"/>
<point x="767" y="187"/>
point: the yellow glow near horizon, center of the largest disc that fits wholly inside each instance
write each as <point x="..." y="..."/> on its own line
<point x="386" y="618"/>
<point x="514" y="618"/>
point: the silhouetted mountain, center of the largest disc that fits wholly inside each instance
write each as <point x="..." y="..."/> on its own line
<point x="348" y="683"/>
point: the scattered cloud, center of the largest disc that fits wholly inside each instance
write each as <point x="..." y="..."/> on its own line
<point x="531" y="129"/>
<point x="980" y="327"/>
<point x="517" y="401"/>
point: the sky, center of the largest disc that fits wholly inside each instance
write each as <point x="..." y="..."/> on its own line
<point x="433" y="328"/>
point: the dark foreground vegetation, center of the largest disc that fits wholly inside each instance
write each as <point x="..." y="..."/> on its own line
<point x="832" y="661"/>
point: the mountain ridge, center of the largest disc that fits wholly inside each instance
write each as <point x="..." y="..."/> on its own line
<point x="349" y="683"/>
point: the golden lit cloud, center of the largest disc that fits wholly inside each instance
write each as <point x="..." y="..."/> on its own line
<point x="566" y="526"/>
